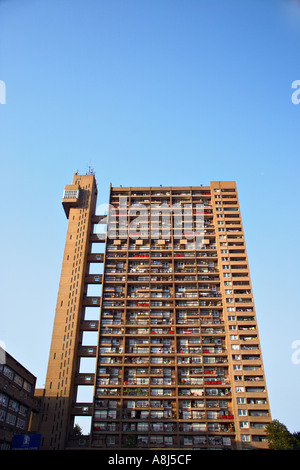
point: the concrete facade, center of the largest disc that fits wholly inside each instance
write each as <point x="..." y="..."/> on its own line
<point x="178" y="362"/>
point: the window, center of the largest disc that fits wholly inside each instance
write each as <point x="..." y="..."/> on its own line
<point x="242" y="412"/>
<point x="157" y="440"/>
<point x="213" y="427"/>
<point x="18" y="380"/>
<point x="3" y="399"/>
<point x="226" y="441"/>
<point x="245" y="437"/>
<point x="110" y="440"/>
<point x="244" y="424"/>
<point x="2" y="415"/>
<point x="236" y="357"/>
<point x="142" y="403"/>
<point x="241" y="400"/>
<point x="23" y="410"/>
<point x="238" y="378"/>
<point x="71" y="194"/>
<point x="187" y="441"/>
<point x="27" y="386"/>
<point x="142" y="426"/>
<point x="168" y="440"/>
<point x="13" y="405"/>
<point x="11" y="419"/>
<point x="101" y="414"/>
<point x="8" y="372"/>
<point x="20" y="423"/>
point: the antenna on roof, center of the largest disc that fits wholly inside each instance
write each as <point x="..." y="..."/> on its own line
<point x="90" y="171"/>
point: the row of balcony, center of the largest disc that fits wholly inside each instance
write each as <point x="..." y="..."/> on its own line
<point x="153" y="391"/>
<point x="164" y="276"/>
<point x="144" y="425"/>
<point x="178" y="303"/>
<point x="206" y="251"/>
<point x="160" y="331"/>
<point x="221" y="406"/>
<point x="136" y="322"/>
<point x="156" y="441"/>
<point x="183" y="372"/>
<point x="157" y="405"/>
<point x="170" y="360"/>
<point x="163" y="381"/>
<point x="162" y="191"/>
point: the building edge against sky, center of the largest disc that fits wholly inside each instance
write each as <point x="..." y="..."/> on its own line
<point x="177" y="363"/>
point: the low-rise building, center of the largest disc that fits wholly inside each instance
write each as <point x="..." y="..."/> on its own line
<point x="17" y="401"/>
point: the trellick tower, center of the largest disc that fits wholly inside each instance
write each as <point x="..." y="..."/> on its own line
<point x="178" y="362"/>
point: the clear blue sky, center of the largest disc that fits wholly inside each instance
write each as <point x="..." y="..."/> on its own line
<point x="150" y="92"/>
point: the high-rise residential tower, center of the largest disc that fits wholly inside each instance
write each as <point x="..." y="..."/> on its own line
<point x="177" y="362"/>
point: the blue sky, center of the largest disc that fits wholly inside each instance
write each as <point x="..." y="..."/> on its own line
<point x="150" y="92"/>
